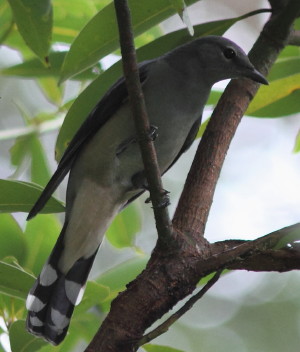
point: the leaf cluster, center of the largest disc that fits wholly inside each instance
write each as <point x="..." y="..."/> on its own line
<point x="63" y="40"/>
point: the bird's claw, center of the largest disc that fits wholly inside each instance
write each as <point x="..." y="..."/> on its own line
<point x="153" y="134"/>
<point x="165" y="201"/>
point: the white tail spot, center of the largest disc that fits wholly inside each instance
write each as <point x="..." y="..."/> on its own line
<point x="34" y="304"/>
<point x="74" y="292"/>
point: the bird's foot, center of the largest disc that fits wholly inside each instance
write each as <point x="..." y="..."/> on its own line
<point x="165" y="201"/>
<point x="153" y="134"/>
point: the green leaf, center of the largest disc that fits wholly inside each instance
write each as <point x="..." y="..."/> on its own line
<point x="118" y="277"/>
<point x="277" y="89"/>
<point x="93" y="93"/>
<point x="11" y="308"/>
<point x="34" y="68"/>
<point x="6" y="20"/>
<point x="148" y="36"/>
<point x="289" y="51"/>
<point x="71" y="16"/>
<point x="202" y="128"/>
<point x="40" y="172"/>
<point x="41" y="234"/>
<point x="84" y="327"/>
<point x="34" y="21"/>
<point x="214" y="97"/>
<point x="18" y="196"/>
<point x="52" y="92"/>
<point x="297" y="143"/>
<point x="30" y="145"/>
<point x="159" y="348"/>
<point x="14" y="281"/>
<point x="12" y="242"/>
<point x="282" y="107"/>
<point x="284" y="101"/>
<point x="124" y="227"/>
<point x="94" y="294"/>
<point x="181" y="9"/>
<point x="284" y="68"/>
<point x="19" y="151"/>
<point x="95" y="41"/>
<point x="21" y="340"/>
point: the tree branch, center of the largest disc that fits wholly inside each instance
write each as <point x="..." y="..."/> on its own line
<point x="277" y="251"/>
<point x="255" y="255"/>
<point x="164" y="327"/>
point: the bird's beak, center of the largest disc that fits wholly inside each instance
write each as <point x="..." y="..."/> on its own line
<point x="257" y="77"/>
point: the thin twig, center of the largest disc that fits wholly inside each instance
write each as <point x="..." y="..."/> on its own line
<point x="47" y="126"/>
<point x="141" y="120"/>
<point x="164" y="327"/>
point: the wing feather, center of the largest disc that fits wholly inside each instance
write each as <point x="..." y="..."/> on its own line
<point x="107" y="106"/>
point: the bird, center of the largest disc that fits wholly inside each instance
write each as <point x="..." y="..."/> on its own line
<point x="106" y="171"/>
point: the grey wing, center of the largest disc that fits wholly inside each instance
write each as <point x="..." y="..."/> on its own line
<point x="107" y="106"/>
<point x="186" y="145"/>
<point x="189" y="140"/>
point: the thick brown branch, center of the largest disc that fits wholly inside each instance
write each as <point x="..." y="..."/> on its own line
<point x="269" y="260"/>
<point x="164" y="327"/>
<point x="276" y="251"/>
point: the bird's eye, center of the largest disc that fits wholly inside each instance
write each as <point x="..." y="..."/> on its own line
<point x="229" y="53"/>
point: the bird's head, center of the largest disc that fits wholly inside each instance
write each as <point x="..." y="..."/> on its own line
<point x="221" y="58"/>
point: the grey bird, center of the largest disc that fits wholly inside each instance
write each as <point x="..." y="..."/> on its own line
<point x="106" y="169"/>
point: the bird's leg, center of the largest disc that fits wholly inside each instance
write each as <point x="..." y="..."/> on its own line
<point x="165" y="201"/>
<point x="139" y="181"/>
<point x="152" y="135"/>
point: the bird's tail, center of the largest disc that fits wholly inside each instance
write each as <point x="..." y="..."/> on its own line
<point x="51" y="301"/>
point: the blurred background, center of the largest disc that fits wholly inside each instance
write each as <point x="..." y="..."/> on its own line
<point x="258" y="192"/>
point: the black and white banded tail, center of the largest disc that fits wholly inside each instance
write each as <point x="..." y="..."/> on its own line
<point x="51" y="301"/>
